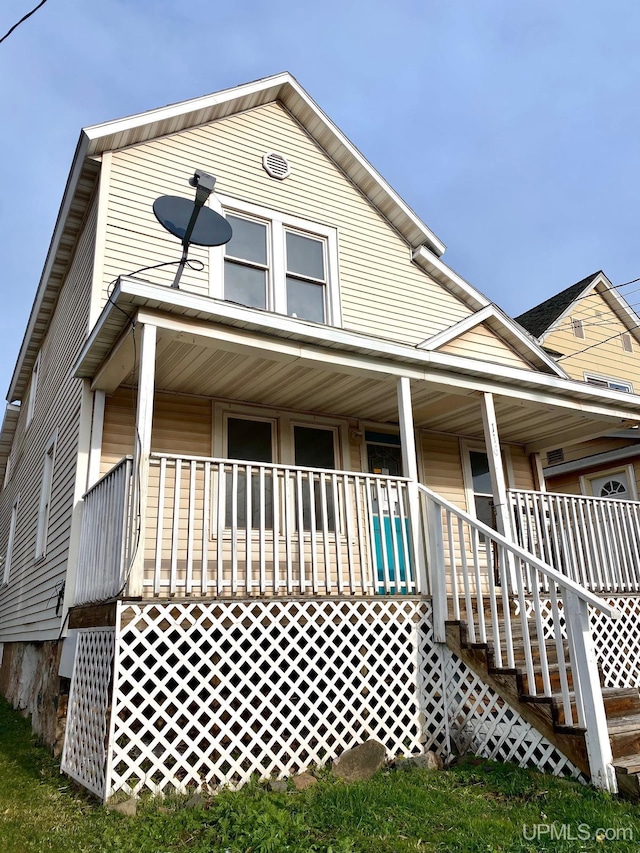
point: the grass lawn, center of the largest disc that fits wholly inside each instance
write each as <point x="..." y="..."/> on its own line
<point x="474" y="806"/>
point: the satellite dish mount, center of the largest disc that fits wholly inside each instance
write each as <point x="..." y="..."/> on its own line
<point x="190" y="221"/>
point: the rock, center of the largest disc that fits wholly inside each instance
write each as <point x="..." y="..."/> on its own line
<point x="278" y="785"/>
<point x="361" y="762"/>
<point x="127" y="807"/>
<point x="428" y="761"/>
<point x="304" y="781"/>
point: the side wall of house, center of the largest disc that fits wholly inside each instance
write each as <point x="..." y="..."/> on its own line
<point x="31" y="601"/>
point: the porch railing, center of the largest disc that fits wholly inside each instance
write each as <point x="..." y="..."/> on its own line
<point x="593" y="541"/>
<point x="480" y="577"/>
<point x="105" y="546"/>
<point x="234" y="528"/>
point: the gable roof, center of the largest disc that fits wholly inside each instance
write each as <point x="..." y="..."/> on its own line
<point x="506" y="331"/>
<point x="540" y="318"/>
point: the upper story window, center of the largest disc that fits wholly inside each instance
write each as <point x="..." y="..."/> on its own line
<point x="625" y="339"/>
<point x="606" y="382"/>
<point x="279" y="263"/>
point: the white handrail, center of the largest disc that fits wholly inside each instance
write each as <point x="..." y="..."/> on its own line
<point x="502" y="583"/>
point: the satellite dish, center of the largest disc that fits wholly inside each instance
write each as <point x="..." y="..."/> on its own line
<point x="174" y="213"/>
<point x="190" y="221"/>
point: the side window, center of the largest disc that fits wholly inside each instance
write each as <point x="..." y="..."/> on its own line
<point x="315" y="447"/>
<point x="306" y="277"/>
<point x="10" y="542"/>
<point x="45" y="498"/>
<point x="250" y="441"/>
<point x="246" y="268"/>
<point x="482" y="488"/>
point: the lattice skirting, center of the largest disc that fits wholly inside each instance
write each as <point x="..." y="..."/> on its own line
<point x="208" y="694"/>
<point x="85" y="747"/>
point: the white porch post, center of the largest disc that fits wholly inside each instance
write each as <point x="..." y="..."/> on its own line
<point x="538" y="473"/>
<point x="95" y="448"/>
<point x="496" y="468"/>
<point x="410" y="470"/>
<point x="144" y="420"/>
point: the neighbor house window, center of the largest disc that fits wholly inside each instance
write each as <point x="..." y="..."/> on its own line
<point x="625" y="339"/>
<point x="607" y="382"/>
<point x="10" y="542"/>
<point x="33" y="390"/>
<point x="279" y="263"/>
<point x="45" y="498"/>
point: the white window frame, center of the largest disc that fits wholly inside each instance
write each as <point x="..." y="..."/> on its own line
<point x="586" y="486"/>
<point x="46" y="489"/>
<point x="278" y="224"/>
<point x="33" y="390"/>
<point x="628" y="387"/>
<point x="478" y="447"/>
<point x="8" y="559"/>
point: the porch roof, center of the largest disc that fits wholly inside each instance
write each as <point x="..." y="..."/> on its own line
<point x="215" y="348"/>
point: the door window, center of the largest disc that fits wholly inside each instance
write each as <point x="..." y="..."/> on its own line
<point x="249" y="441"/>
<point x="614" y="485"/>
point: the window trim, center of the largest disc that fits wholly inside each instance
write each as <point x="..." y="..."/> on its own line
<point x="33" y="390"/>
<point x="586" y="485"/>
<point x="466" y="447"/>
<point x="46" y="491"/>
<point x="588" y="374"/>
<point x="8" y="558"/>
<point x="278" y="224"/>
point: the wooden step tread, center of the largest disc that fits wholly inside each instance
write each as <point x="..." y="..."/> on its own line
<point x="621" y="725"/>
<point x="627" y="764"/>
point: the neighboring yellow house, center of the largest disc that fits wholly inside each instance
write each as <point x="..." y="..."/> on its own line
<point x="252" y="520"/>
<point x="594" y="334"/>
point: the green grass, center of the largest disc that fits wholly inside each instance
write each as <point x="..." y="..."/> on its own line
<point x="474" y="806"/>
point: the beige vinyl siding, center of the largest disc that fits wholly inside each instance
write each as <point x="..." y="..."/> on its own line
<point x="566" y="484"/>
<point x="442" y="466"/>
<point x="28" y="604"/>
<point x="521" y="468"/>
<point x="382" y="291"/>
<point x="598" y="445"/>
<point x="181" y="424"/>
<point x="606" y="358"/>
<point x="482" y="343"/>
<point x="570" y="483"/>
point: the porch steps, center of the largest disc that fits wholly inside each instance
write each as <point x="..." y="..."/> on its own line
<point x="546" y="714"/>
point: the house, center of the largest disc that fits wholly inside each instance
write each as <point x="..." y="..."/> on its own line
<point x="595" y="335"/>
<point x="252" y="520"/>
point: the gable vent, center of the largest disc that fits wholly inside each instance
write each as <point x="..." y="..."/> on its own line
<point x="554" y="457"/>
<point x="276" y="165"/>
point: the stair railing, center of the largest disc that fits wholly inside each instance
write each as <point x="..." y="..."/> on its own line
<point x="480" y="578"/>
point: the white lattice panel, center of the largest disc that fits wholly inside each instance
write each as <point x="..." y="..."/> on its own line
<point x="617" y="642"/>
<point x="480" y="722"/>
<point x="84" y="755"/>
<point x="211" y="693"/>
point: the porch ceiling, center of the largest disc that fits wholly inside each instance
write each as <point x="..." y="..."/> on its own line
<point x="218" y="349"/>
<point x="188" y="367"/>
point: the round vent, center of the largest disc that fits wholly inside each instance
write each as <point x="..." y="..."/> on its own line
<point x="276" y="165"/>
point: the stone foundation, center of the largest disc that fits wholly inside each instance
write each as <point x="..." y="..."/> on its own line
<point x="29" y="680"/>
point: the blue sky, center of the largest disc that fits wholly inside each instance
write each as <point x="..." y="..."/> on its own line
<point x="510" y="127"/>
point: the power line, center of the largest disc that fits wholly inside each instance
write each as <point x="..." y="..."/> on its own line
<point x="597" y="344"/>
<point x="22" y="20"/>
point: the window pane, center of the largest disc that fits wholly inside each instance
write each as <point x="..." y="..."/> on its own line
<point x="480" y="473"/>
<point x="245" y="285"/>
<point x="249" y="240"/>
<point x="314" y="448"/>
<point x="250" y="440"/>
<point x="305" y="300"/>
<point x="305" y="256"/>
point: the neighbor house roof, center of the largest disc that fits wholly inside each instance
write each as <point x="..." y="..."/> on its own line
<point x="541" y="317"/>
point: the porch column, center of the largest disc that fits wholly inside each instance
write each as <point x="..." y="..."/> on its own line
<point x="538" y="473"/>
<point x="410" y="470"/>
<point x="496" y="468"/>
<point x="95" y="448"/>
<point x="142" y="450"/>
